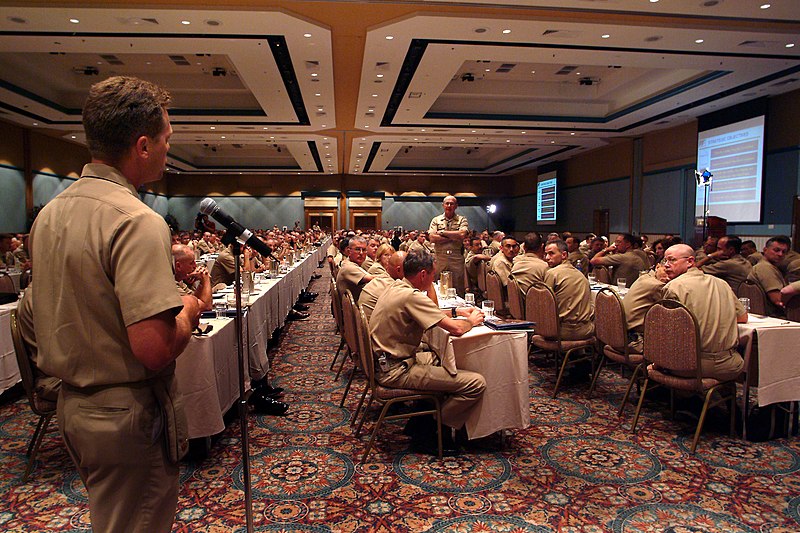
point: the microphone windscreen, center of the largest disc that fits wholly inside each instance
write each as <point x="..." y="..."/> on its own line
<point x="207" y="206"/>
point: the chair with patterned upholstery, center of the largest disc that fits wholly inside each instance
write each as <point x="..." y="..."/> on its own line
<point x="389" y="396"/>
<point x="671" y="351"/>
<point x="496" y="293"/>
<point x="483" y="267"/>
<point x="41" y="407"/>
<point x="541" y="308"/>
<point x="336" y="310"/>
<point x="7" y="284"/>
<point x="611" y="330"/>
<point x="349" y="308"/>
<point x="602" y="274"/>
<point x="516" y="300"/>
<point x="25" y="279"/>
<point x="758" y="300"/>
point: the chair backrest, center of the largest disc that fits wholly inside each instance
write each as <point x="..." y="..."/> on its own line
<point x="672" y="337"/>
<point x="365" y="352"/>
<point x="516" y="300"/>
<point x="482" y="267"/>
<point x="25" y="364"/>
<point x="494" y="291"/>
<point x="601" y="274"/>
<point x="541" y="308"/>
<point x="610" y="325"/>
<point x="651" y="259"/>
<point x="793" y="309"/>
<point x="6" y="283"/>
<point x="25" y="279"/>
<point x="336" y="307"/>
<point x="349" y="319"/>
<point x="758" y="300"/>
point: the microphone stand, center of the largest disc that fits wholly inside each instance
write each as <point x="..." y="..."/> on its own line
<point x="229" y="238"/>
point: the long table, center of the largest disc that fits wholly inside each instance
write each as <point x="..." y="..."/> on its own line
<point x="772" y="358"/>
<point x="9" y="371"/>
<point x="207" y="371"/>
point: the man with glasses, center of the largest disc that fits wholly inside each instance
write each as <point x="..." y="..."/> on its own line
<point x="351" y="275"/>
<point x="716" y="308"/>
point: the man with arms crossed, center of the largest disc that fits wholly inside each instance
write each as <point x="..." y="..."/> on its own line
<point x="108" y="319"/>
<point x="447" y="232"/>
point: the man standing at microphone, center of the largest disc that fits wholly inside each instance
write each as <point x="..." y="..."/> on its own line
<point x="107" y="317"/>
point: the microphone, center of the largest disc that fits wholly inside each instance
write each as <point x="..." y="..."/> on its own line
<point x="242" y="234"/>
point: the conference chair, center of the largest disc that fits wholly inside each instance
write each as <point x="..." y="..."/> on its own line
<point x="672" y="350"/>
<point x="541" y="308"/>
<point x="483" y="266"/>
<point x="602" y="274"/>
<point x="494" y="292"/>
<point x="516" y="300"/>
<point x="336" y="309"/>
<point x="25" y="279"/>
<point x="388" y="396"/>
<point x="611" y="330"/>
<point x="758" y="300"/>
<point x="350" y="337"/>
<point x="6" y="283"/>
<point x="44" y="409"/>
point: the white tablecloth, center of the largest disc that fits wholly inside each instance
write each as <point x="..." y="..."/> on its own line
<point x="775" y="365"/>
<point x="9" y="371"/>
<point x="502" y="359"/>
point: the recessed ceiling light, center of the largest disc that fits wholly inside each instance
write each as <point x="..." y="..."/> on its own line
<point x="508" y="140"/>
<point x="552" y="142"/>
<point x="185" y="22"/>
<point x="488" y="70"/>
<point x="572" y="133"/>
<point x="765" y="6"/>
<point x="473" y="131"/>
<point x="306" y="35"/>
<point x="212" y="22"/>
<point x="314" y="74"/>
<point x="523" y="132"/>
<point x="422" y="130"/>
<point x="324" y="125"/>
<point x="73" y="137"/>
<point x="35" y="123"/>
<point x="366" y="125"/>
<point x="221" y="136"/>
<point x="462" y="140"/>
<point x="698" y="41"/>
<point x="379" y="75"/>
<point x="213" y="127"/>
<point x="374" y="95"/>
<point x="790" y="45"/>
<point x="389" y="37"/>
<point x="653" y="1"/>
<point x="506" y="31"/>
<point x="75" y="21"/>
<point x="266" y="128"/>
<point x="317" y="94"/>
<point x="605" y="36"/>
<point x="533" y="72"/>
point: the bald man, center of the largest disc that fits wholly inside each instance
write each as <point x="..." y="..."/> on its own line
<point x="447" y="232"/>
<point x="191" y="279"/>
<point x="716" y="308"/>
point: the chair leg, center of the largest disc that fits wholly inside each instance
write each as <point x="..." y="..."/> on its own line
<point x="438" y="415"/>
<point x="732" y="429"/>
<point x="596" y="375"/>
<point x="364" y="417"/>
<point x="560" y="374"/>
<point x="335" y="357"/>
<point x="38" y="436"/>
<point x="360" y="403"/>
<point x="37" y="432"/>
<point x="702" y="419"/>
<point x="639" y="405"/>
<point x="630" y="387"/>
<point x="341" y="366"/>
<point x="375" y="431"/>
<point x="347" y="387"/>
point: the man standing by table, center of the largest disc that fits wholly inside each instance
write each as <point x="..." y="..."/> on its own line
<point x="108" y="319"/>
<point x="447" y="232"/>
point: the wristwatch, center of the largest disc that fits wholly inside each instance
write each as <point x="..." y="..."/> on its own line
<point x="453" y="312"/>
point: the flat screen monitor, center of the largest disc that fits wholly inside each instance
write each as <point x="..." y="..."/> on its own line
<point x="546" y="190"/>
<point x="729" y="167"/>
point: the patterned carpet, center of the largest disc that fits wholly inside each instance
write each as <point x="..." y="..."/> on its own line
<point x="576" y="469"/>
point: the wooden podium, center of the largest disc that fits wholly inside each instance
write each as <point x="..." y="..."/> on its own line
<point x="716" y="227"/>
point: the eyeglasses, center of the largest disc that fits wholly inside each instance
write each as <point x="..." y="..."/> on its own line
<point x="673" y="260"/>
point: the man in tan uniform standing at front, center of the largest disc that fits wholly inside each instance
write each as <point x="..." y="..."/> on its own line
<point x="108" y="319"/>
<point x="447" y="233"/>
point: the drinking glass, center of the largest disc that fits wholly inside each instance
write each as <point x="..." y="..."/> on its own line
<point x="622" y="283"/>
<point x="592" y="278"/>
<point x="469" y="298"/>
<point x="221" y="308"/>
<point x="451" y="293"/>
<point x="488" y="308"/>
<point x="245" y="297"/>
<point x="231" y="299"/>
<point x="745" y="304"/>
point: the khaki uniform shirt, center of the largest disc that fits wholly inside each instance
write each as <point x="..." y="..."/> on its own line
<point x="528" y="268"/>
<point x="733" y="270"/>
<point x="502" y="266"/>
<point x="351" y="277"/>
<point x="457" y="223"/>
<point x="332" y="251"/>
<point x="224" y="269"/>
<point x="472" y="268"/>
<point x="401" y="316"/>
<point x="577" y="256"/>
<point x="204" y="247"/>
<point x="627" y="265"/>
<point x="713" y="304"/>
<point x="376" y="269"/>
<point x="109" y="266"/>
<point x="371" y="292"/>
<point x="415" y="246"/>
<point x="367" y="264"/>
<point x="575" y="305"/>
<point x="644" y="292"/>
<point x="493" y="248"/>
<point x="754" y="258"/>
<point x="769" y="278"/>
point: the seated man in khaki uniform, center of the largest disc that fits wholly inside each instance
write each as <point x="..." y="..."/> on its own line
<point x="503" y="262"/>
<point x="768" y="275"/>
<point x="190" y="278"/>
<point x="716" y="308"/>
<point x="224" y="270"/>
<point x="530" y="266"/>
<point x="621" y="255"/>
<point x="726" y="262"/>
<point x="375" y="288"/>
<point x="475" y="255"/>
<point x="644" y="292"/>
<point x="351" y="276"/>
<point x="574" y="296"/>
<point x="403" y="313"/>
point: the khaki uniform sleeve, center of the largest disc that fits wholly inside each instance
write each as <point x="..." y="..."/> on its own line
<point x="422" y="309"/>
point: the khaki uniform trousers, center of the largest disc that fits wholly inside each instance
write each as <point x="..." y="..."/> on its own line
<point x="115" y="437"/>
<point x="454" y="262"/>
<point x="463" y="390"/>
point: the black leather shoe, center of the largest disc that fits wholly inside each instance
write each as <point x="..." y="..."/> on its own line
<point x="309" y="294"/>
<point x="300" y="307"/>
<point x="268" y="406"/>
<point x="304" y="298"/>
<point x="263" y="387"/>
<point x="298" y="315"/>
<point x="316" y="276"/>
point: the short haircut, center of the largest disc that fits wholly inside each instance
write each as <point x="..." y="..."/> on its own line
<point x="509" y="238"/>
<point x="749" y="243"/>
<point x="599" y="239"/>
<point x="344" y="242"/>
<point x="473" y="239"/>
<point x="780" y="239"/>
<point x="533" y="242"/>
<point x="357" y="238"/>
<point x="735" y="242"/>
<point x="627" y="237"/>
<point x="561" y="245"/>
<point x="118" y="111"/>
<point x="416" y="261"/>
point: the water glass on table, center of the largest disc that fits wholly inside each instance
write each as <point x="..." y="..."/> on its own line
<point x="221" y="308"/>
<point x="451" y="293"/>
<point x="622" y="283"/>
<point x="469" y="298"/>
<point x="488" y="308"/>
<point x="592" y="278"/>
<point x="745" y="304"/>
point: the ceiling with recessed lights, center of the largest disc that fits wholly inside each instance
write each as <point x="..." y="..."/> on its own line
<point x="447" y="87"/>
